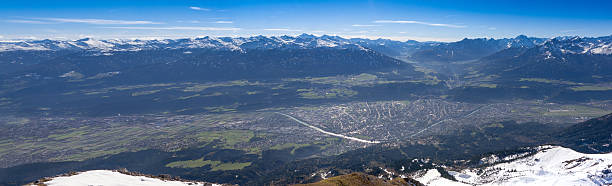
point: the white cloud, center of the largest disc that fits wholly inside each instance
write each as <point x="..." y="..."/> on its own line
<point x="419" y="22"/>
<point x="224" y="22"/>
<point x="358" y="25"/>
<point x="199" y="8"/>
<point x="27" y="21"/>
<point x="98" y="21"/>
<point x="282" y="29"/>
<point x="179" y="28"/>
<point x="1" y="36"/>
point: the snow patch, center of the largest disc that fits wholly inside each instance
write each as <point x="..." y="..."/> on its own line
<point x="72" y="74"/>
<point x="432" y="177"/>
<point x="112" y="178"/>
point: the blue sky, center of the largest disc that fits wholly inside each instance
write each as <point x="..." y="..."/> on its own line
<point x="423" y="20"/>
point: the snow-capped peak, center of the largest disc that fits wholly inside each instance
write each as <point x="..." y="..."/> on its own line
<point x="579" y="45"/>
<point x="90" y="43"/>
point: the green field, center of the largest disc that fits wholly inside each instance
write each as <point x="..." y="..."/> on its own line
<point x="549" y="81"/>
<point x="215" y="165"/>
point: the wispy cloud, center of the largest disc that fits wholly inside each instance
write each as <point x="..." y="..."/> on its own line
<point x="179" y="28"/>
<point x="224" y="22"/>
<point x="199" y="8"/>
<point x="282" y="29"/>
<point x="358" y="25"/>
<point x="419" y="22"/>
<point x="27" y="21"/>
<point x="88" y="21"/>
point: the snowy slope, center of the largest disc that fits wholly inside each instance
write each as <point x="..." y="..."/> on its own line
<point x="551" y="165"/>
<point x="112" y="178"/>
<point x="432" y="177"/>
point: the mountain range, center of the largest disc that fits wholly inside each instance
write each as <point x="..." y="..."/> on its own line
<point x="471" y="49"/>
<point x="572" y="58"/>
<point x="575" y="59"/>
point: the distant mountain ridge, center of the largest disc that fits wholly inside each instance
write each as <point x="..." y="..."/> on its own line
<point x="568" y="58"/>
<point x="470" y="49"/>
<point x="572" y="58"/>
<point x="466" y="49"/>
<point x="569" y="44"/>
<point x="303" y="41"/>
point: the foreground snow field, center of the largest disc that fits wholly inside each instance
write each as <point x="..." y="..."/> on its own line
<point x="112" y="178"/>
<point x="552" y="165"/>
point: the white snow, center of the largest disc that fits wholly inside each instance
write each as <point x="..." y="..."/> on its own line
<point x="325" y="43"/>
<point x="551" y="166"/>
<point x="548" y="55"/>
<point x="602" y="49"/>
<point x="10" y="46"/>
<point x="92" y="43"/>
<point x="72" y="74"/>
<point x="111" y="178"/>
<point x="433" y="178"/>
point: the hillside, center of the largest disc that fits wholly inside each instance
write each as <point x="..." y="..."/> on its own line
<point x="362" y="179"/>
<point x="592" y="136"/>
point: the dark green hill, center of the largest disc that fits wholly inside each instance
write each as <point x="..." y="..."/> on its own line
<point x="592" y="136"/>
